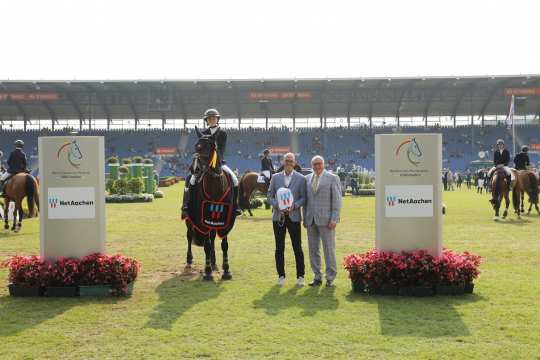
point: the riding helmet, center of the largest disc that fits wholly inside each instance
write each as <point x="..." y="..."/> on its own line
<point x="211" y="112"/>
<point x="19" y="143"/>
<point x="266" y="151"/>
<point x="500" y="141"/>
<point x="524" y="148"/>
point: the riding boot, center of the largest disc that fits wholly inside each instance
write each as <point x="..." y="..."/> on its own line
<point x="2" y="187"/>
<point x="236" y="208"/>
<point x="187" y="198"/>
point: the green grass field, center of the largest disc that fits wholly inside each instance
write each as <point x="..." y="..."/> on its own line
<point x="174" y="316"/>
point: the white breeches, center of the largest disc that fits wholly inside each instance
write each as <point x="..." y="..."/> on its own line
<point x="266" y="174"/>
<point x="506" y="170"/>
<point x="225" y="168"/>
<point x="233" y="175"/>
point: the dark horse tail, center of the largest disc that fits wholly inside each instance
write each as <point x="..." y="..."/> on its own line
<point x="31" y="194"/>
<point x="533" y="196"/>
<point x="243" y="201"/>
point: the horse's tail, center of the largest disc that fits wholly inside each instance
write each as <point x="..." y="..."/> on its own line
<point x="243" y="202"/>
<point x="31" y="194"/>
<point x="533" y="181"/>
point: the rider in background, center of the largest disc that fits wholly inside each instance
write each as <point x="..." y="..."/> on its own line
<point x="16" y="164"/>
<point x="267" y="167"/>
<point x="501" y="158"/>
<point x="521" y="160"/>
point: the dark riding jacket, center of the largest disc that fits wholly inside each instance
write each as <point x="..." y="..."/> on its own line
<point x="221" y="142"/>
<point x="521" y="161"/>
<point x="501" y="159"/>
<point x="16" y="162"/>
<point x="266" y="165"/>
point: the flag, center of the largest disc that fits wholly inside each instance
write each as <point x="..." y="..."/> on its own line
<point x="510" y="117"/>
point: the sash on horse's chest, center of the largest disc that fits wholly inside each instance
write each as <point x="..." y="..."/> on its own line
<point x="215" y="215"/>
<point x="207" y="214"/>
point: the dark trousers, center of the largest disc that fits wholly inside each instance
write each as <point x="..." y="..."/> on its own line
<point x="295" y="233"/>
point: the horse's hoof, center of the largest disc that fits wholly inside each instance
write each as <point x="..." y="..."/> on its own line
<point x="495" y="218"/>
<point x="188" y="267"/>
<point x="208" y="277"/>
<point x="226" y="276"/>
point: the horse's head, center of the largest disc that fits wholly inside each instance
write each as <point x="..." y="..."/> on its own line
<point x="75" y="151"/>
<point x="206" y="150"/>
<point x="413" y="152"/>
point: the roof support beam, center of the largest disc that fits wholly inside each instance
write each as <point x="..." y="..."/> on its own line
<point x="402" y="94"/>
<point x="496" y="87"/>
<point x="101" y="100"/>
<point x="430" y="100"/>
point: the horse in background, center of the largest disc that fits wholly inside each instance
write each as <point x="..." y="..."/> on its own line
<point x="20" y="185"/>
<point x="499" y="191"/>
<point x="248" y="186"/>
<point x="526" y="182"/>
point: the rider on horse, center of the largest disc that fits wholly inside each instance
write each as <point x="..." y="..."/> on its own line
<point x="211" y="117"/>
<point x="16" y="164"/>
<point x="267" y="167"/>
<point x="521" y="160"/>
<point x="501" y="158"/>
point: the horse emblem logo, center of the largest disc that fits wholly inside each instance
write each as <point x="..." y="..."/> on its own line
<point x="74" y="154"/>
<point x="414" y="153"/>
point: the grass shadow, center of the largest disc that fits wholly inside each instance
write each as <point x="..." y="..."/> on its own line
<point x="176" y="296"/>
<point x="311" y="301"/>
<point x="430" y="317"/>
<point x="18" y="314"/>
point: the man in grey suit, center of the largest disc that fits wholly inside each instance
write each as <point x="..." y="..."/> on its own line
<point x="290" y="219"/>
<point x="321" y="215"/>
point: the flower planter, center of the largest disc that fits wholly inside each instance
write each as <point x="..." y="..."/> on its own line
<point x="417" y="291"/>
<point x="123" y="292"/>
<point x="469" y="288"/>
<point x="61" y="291"/>
<point x="358" y="286"/>
<point x="21" y="290"/>
<point x="385" y="290"/>
<point x="449" y="290"/>
<point x="94" y="290"/>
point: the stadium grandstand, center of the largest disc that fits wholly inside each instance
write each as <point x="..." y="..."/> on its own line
<point x="336" y="118"/>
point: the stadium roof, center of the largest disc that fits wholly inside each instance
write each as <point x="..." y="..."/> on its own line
<point x="276" y="98"/>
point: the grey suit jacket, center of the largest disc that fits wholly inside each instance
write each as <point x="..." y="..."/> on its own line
<point x="298" y="189"/>
<point x="324" y="205"/>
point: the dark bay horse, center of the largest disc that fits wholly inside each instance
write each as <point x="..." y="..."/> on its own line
<point x="18" y="187"/>
<point x="526" y="182"/>
<point x="213" y="181"/>
<point x="499" y="191"/>
<point x="249" y="186"/>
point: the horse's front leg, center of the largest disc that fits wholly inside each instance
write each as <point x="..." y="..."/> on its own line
<point x="21" y="214"/>
<point x="213" y="254"/>
<point x="522" y="202"/>
<point x="14" y="227"/>
<point x="6" y="214"/>
<point x="189" y="257"/>
<point x="225" y="248"/>
<point x="507" y="205"/>
<point x="208" y="262"/>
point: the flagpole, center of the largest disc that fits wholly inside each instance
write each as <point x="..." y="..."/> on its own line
<point x="513" y="128"/>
